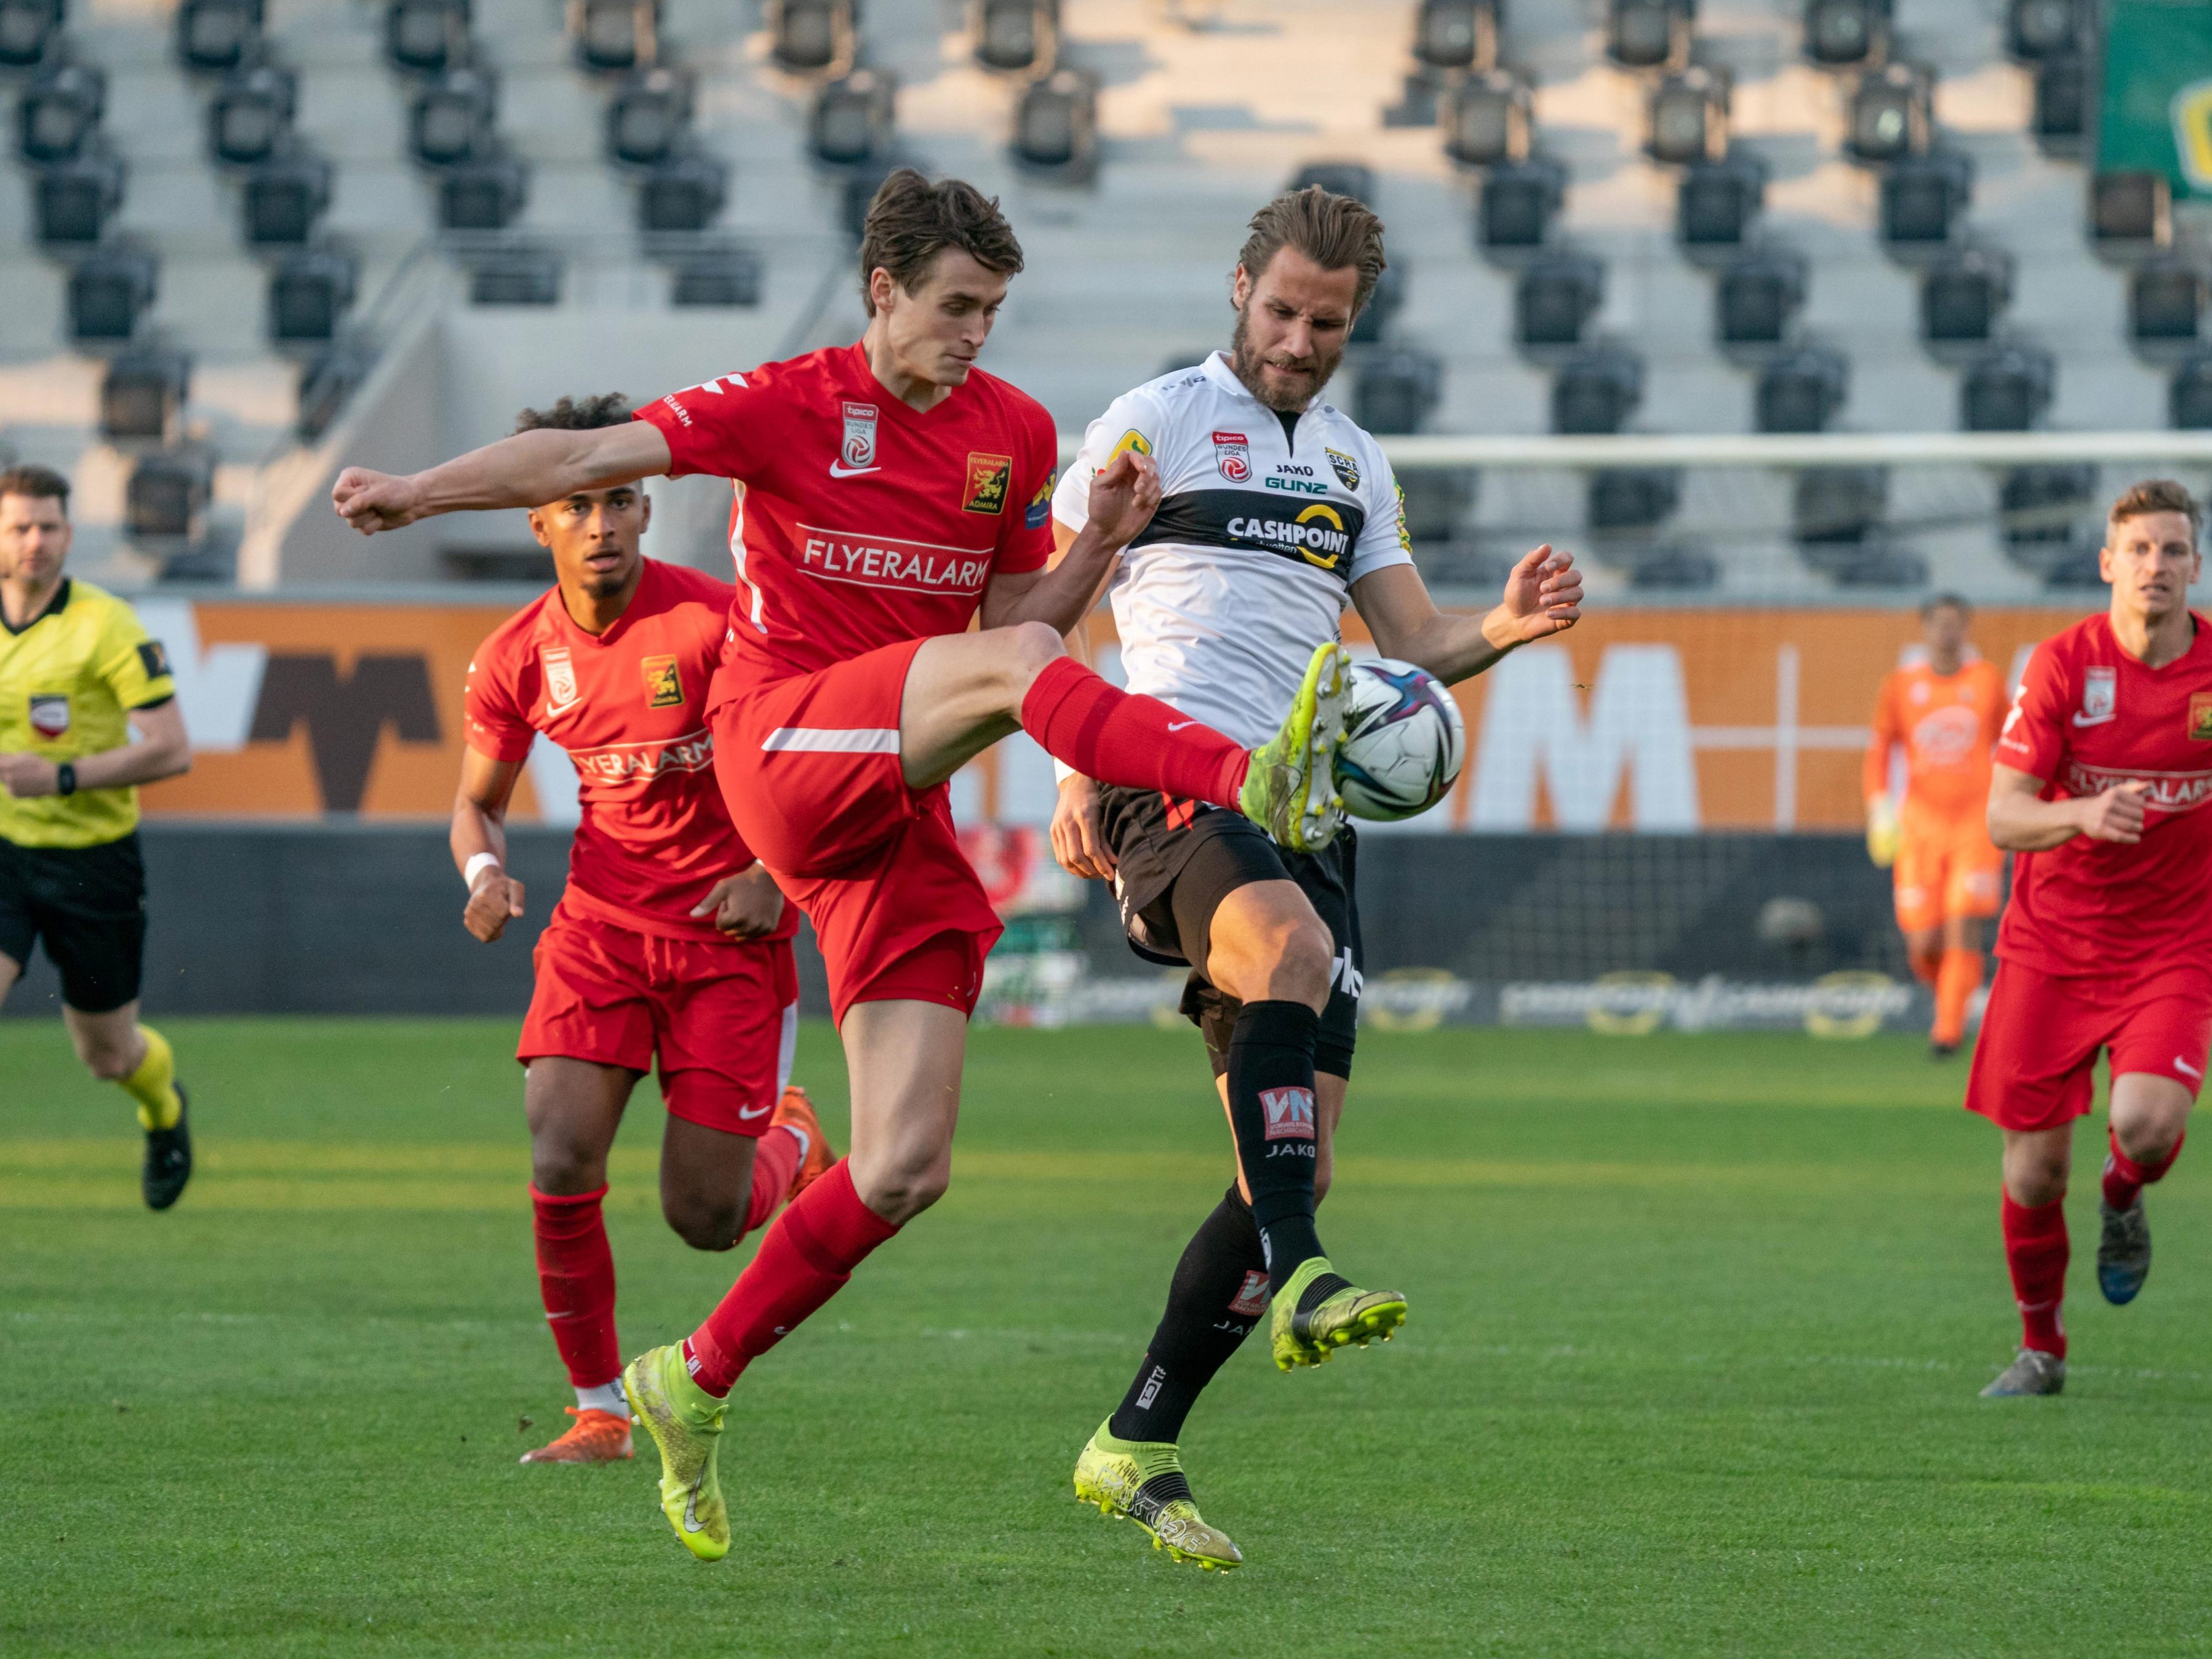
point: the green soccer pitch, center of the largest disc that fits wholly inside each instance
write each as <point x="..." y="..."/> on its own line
<point x="1698" y="1325"/>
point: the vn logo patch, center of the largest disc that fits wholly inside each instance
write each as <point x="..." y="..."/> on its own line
<point x="664" y="686"/>
<point x="2200" y="717"/>
<point x="989" y="477"/>
<point x="1252" y="1296"/>
<point x="1289" y="1113"/>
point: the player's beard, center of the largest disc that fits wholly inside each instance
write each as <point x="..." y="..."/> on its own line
<point x="1245" y="363"/>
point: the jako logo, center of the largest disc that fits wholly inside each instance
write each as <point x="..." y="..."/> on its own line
<point x="1289" y="1113"/>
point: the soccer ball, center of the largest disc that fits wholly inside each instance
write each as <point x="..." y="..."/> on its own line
<point x="1403" y="741"/>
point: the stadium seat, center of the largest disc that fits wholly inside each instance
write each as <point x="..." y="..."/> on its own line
<point x="165" y="498"/>
<point x="1892" y="114"/>
<point x="1397" y="390"/>
<point x="1056" y="125"/>
<point x="1487" y="120"/>
<point x="1518" y="202"/>
<point x="250" y="115"/>
<point x="142" y="395"/>
<point x="1716" y="203"/>
<point x="810" y="37"/>
<point x="1837" y="513"/>
<point x="861" y="185"/>
<point x="2060" y="114"/>
<point x="1843" y="33"/>
<point x="684" y="194"/>
<point x="1924" y="197"/>
<point x="27" y="29"/>
<point x="516" y="276"/>
<point x="2166" y="301"/>
<point x="1801" y="391"/>
<point x="1382" y="305"/>
<point x="1597" y="391"/>
<point x="1436" y="498"/>
<point x="109" y="290"/>
<point x="1688" y="117"/>
<point x="308" y="293"/>
<point x="1457" y="34"/>
<point x="284" y="198"/>
<point x="1632" y="498"/>
<point x="327" y="383"/>
<point x="718" y="276"/>
<point x="1353" y="179"/>
<point x="2189" y="395"/>
<point x="1648" y="33"/>
<point x="611" y="36"/>
<point x="855" y="118"/>
<point x="649" y="118"/>
<point x="59" y="111"/>
<point x="2039" y="507"/>
<point x="1963" y="294"/>
<point x="1757" y="297"/>
<point x="2040" y="29"/>
<point x="482" y="195"/>
<point x="73" y="202"/>
<point x="1018" y="36"/>
<point x="218" y="34"/>
<point x="426" y="37"/>
<point x="2130" y="210"/>
<point x="2007" y="389"/>
<point x="452" y="116"/>
<point x="1554" y="298"/>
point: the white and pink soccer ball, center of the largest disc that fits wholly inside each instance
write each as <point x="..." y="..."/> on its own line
<point x="1404" y="742"/>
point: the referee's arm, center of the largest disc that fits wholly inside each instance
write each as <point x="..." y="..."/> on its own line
<point x="160" y="750"/>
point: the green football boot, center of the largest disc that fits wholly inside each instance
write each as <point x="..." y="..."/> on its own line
<point x="1290" y="790"/>
<point x="1143" y="1481"/>
<point x="1319" y="1312"/>
<point x="686" y="1422"/>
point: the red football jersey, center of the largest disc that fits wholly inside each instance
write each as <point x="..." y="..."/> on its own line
<point x="859" y="521"/>
<point x="2090" y="716"/>
<point x="629" y="705"/>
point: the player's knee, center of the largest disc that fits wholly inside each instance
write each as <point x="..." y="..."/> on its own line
<point x="1031" y="646"/>
<point x="2035" y="1183"/>
<point x="900" y="1194"/>
<point x="105" y="1061"/>
<point x="703" y="1226"/>
<point x="560" y="1167"/>
<point x="1303" y="958"/>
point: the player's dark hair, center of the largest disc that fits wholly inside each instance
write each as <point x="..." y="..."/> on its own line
<point x="576" y="415"/>
<point x="1335" y="232"/>
<point x="39" y="482"/>
<point x="2157" y="496"/>
<point x="1935" y="602"/>
<point x="912" y="221"/>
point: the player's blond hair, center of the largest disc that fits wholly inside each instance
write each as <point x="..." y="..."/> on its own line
<point x="1337" y="233"/>
<point x="2156" y="496"/>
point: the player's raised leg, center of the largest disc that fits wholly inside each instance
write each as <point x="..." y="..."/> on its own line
<point x="2149" y="1120"/>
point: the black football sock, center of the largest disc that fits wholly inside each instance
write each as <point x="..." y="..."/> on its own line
<point x="1218" y="1293"/>
<point x="1271" y="1102"/>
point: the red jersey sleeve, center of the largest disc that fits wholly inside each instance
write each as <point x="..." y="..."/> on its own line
<point x="1026" y="543"/>
<point x="494" y="705"/>
<point x="2033" y="736"/>
<point x="724" y="427"/>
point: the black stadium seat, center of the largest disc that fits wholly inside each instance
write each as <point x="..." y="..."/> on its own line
<point x="855" y="118"/>
<point x="59" y="111"/>
<point x="649" y="118"/>
<point x="109" y="291"/>
<point x="1892" y="114"/>
<point x="218" y="34"/>
<point x="1596" y="392"/>
<point x="28" y="29"/>
<point x="1555" y="297"/>
<point x="1716" y="203"/>
<point x="309" y="292"/>
<point x="1017" y="36"/>
<point x="1487" y="120"/>
<point x="1801" y="391"/>
<point x="2130" y="210"/>
<point x="1457" y="34"/>
<point x="1758" y="296"/>
<point x="250" y="115"/>
<point x="166" y="498"/>
<point x="484" y="195"/>
<point x="73" y="202"/>
<point x="1687" y="120"/>
<point x="2007" y="389"/>
<point x="1844" y="34"/>
<point x="2166" y="301"/>
<point x="285" y="198"/>
<point x="1962" y="295"/>
<point x="684" y="194"/>
<point x="1517" y="204"/>
<point x="142" y="395"/>
<point x="1397" y="390"/>
<point x="424" y="37"/>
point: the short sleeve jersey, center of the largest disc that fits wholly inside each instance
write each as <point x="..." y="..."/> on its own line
<point x="859" y="521"/>
<point x="68" y="679"/>
<point x="1947" y="725"/>
<point x="2090" y="716"/>
<point x="630" y="707"/>
<point x="1262" y="529"/>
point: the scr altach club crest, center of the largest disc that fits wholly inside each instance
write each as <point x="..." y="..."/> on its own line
<point x="1233" y="455"/>
<point x="989" y="478"/>
<point x="664" y="684"/>
<point x="50" y="713"/>
<point x="1347" y="469"/>
<point x="559" y="677"/>
<point x="859" y="449"/>
<point x="2100" y="695"/>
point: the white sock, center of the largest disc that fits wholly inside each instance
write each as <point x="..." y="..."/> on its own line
<point x="607" y="1397"/>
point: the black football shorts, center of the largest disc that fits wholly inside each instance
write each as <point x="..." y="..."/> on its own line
<point x="86" y="905"/>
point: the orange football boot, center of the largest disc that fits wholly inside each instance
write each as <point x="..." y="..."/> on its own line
<point x="795" y="1110"/>
<point x="596" y="1436"/>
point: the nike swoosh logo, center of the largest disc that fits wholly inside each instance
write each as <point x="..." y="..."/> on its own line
<point x="2181" y="1065"/>
<point x="1178" y="725"/>
<point x="839" y="471"/>
<point x="2092" y="720"/>
<point x="757" y="1112"/>
<point x="691" y="1520"/>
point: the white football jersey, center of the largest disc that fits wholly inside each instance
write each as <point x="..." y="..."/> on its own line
<point x="1250" y="561"/>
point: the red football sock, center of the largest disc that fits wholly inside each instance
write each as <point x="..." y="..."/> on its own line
<point x="1957" y="980"/>
<point x="576" y="1277"/>
<point x="775" y="1160"/>
<point x="1117" y="736"/>
<point x="805" y="1260"/>
<point x="2036" y="1251"/>
<point x="2125" y="1178"/>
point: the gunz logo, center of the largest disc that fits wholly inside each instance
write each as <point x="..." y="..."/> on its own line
<point x="1233" y="455"/>
<point x="1289" y="1113"/>
<point x="664" y="682"/>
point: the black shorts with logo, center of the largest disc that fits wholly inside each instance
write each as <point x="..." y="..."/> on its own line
<point x="88" y="906"/>
<point x="1176" y="860"/>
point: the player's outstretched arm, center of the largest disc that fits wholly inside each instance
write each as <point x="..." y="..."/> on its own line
<point x="2021" y="822"/>
<point x="1543" y="597"/>
<point x="479" y="843"/>
<point x="527" y="470"/>
<point x="1123" y="496"/>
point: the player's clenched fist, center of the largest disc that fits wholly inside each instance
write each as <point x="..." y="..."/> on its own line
<point x="1124" y="493"/>
<point x="2115" y="815"/>
<point x="371" y="501"/>
<point x="494" y="901"/>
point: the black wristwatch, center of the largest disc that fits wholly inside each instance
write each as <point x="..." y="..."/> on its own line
<point x="65" y="778"/>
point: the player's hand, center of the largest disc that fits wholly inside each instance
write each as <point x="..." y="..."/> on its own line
<point x="1543" y="596"/>
<point x="744" y="906"/>
<point x="494" y="901"/>
<point x="25" y="776"/>
<point x="2116" y="815"/>
<point x="1883" y="831"/>
<point x="1076" y="840"/>
<point x="371" y="501"/>
<point x="1124" y="493"/>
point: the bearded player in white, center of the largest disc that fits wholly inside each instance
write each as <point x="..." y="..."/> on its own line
<point x="1276" y="511"/>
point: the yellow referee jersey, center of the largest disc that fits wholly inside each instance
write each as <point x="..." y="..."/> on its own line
<point x="69" y="679"/>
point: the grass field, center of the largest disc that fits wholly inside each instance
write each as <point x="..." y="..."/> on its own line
<point x="1698" y="1325"/>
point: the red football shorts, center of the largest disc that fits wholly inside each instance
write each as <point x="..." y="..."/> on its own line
<point x="810" y="767"/>
<point x="2041" y="1032"/>
<point x="720" y="1017"/>
<point x="1945" y="867"/>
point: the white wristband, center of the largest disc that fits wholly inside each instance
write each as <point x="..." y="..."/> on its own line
<point x="477" y="866"/>
<point x="1061" y="771"/>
